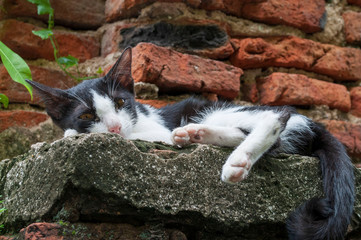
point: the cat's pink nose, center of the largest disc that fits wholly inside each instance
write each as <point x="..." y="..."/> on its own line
<point x="115" y="129"/>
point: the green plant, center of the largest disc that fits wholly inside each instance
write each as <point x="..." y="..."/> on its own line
<point x="64" y="63"/>
<point x="1" y="211"/>
<point x="17" y="69"/>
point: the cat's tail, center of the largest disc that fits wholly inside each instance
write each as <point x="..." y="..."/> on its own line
<point x="328" y="217"/>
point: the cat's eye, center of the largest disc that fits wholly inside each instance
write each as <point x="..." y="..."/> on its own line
<point x="87" y="116"/>
<point x="119" y="103"/>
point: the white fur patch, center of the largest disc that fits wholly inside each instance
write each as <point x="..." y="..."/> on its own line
<point x="109" y="117"/>
<point x="150" y="127"/>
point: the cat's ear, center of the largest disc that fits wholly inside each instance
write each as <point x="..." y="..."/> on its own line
<point x="56" y="100"/>
<point x="121" y="71"/>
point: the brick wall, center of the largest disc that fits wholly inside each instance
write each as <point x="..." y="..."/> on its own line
<point x="304" y="53"/>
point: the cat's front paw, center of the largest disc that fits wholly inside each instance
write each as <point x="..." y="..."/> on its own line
<point x="236" y="168"/>
<point x="70" y="132"/>
<point x="180" y="137"/>
<point x="191" y="133"/>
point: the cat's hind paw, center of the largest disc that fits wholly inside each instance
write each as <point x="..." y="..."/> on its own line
<point x="233" y="172"/>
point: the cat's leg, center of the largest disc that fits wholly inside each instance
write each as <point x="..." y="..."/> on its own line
<point x="208" y="134"/>
<point x="264" y="135"/>
<point x="70" y="132"/>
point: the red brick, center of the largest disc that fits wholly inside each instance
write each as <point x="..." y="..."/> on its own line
<point x="306" y="15"/>
<point x="355" y="2"/>
<point x="172" y="71"/>
<point x="115" y="9"/>
<point x="222" y="52"/>
<point x="21" y="118"/>
<point x="112" y="37"/>
<point x="297" y="89"/>
<point x="6" y="238"/>
<point x="229" y="7"/>
<point x="50" y="231"/>
<point x="352" y="26"/>
<point x="356" y="101"/>
<point x="17" y="93"/>
<point x="84" y="14"/>
<point x="19" y="37"/>
<point x="348" y="133"/>
<point x="155" y="103"/>
<point x="341" y="63"/>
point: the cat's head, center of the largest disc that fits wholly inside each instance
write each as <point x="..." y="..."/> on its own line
<point x="103" y="104"/>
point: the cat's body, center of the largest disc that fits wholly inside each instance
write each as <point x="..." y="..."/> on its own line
<point x="108" y="105"/>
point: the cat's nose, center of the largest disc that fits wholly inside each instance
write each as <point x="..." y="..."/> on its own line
<point x="115" y="129"/>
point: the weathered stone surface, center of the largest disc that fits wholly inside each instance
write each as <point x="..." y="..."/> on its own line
<point x="355" y="2"/>
<point x="21" y="118"/>
<point x="297" y="89"/>
<point x="352" y="26"/>
<point x="172" y="71"/>
<point x="205" y="39"/>
<point x="179" y="36"/>
<point x="82" y="14"/>
<point x="307" y="15"/>
<point x="341" y="63"/>
<point x="17" y="93"/>
<point x="17" y="140"/>
<point x="145" y="90"/>
<point x="135" y="182"/>
<point x="18" y="36"/>
<point x="348" y="133"/>
<point x="356" y="101"/>
<point x="78" y="183"/>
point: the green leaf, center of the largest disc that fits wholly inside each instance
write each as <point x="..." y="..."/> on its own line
<point x="100" y="70"/>
<point x="43" y="33"/>
<point x="44" y="6"/>
<point x="16" y="67"/>
<point x="68" y="61"/>
<point x="4" y="100"/>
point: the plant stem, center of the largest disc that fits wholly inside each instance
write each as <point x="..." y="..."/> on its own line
<point x="55" y="45"/>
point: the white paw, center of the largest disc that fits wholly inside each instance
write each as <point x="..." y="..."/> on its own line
<point x="70" y="132"/>
<point x="191" y="133"/>
<point x="180" y="137"/>
<point x="236" y="168"/>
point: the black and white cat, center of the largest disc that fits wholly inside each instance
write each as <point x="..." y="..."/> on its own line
<point x="107" y="104"/>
